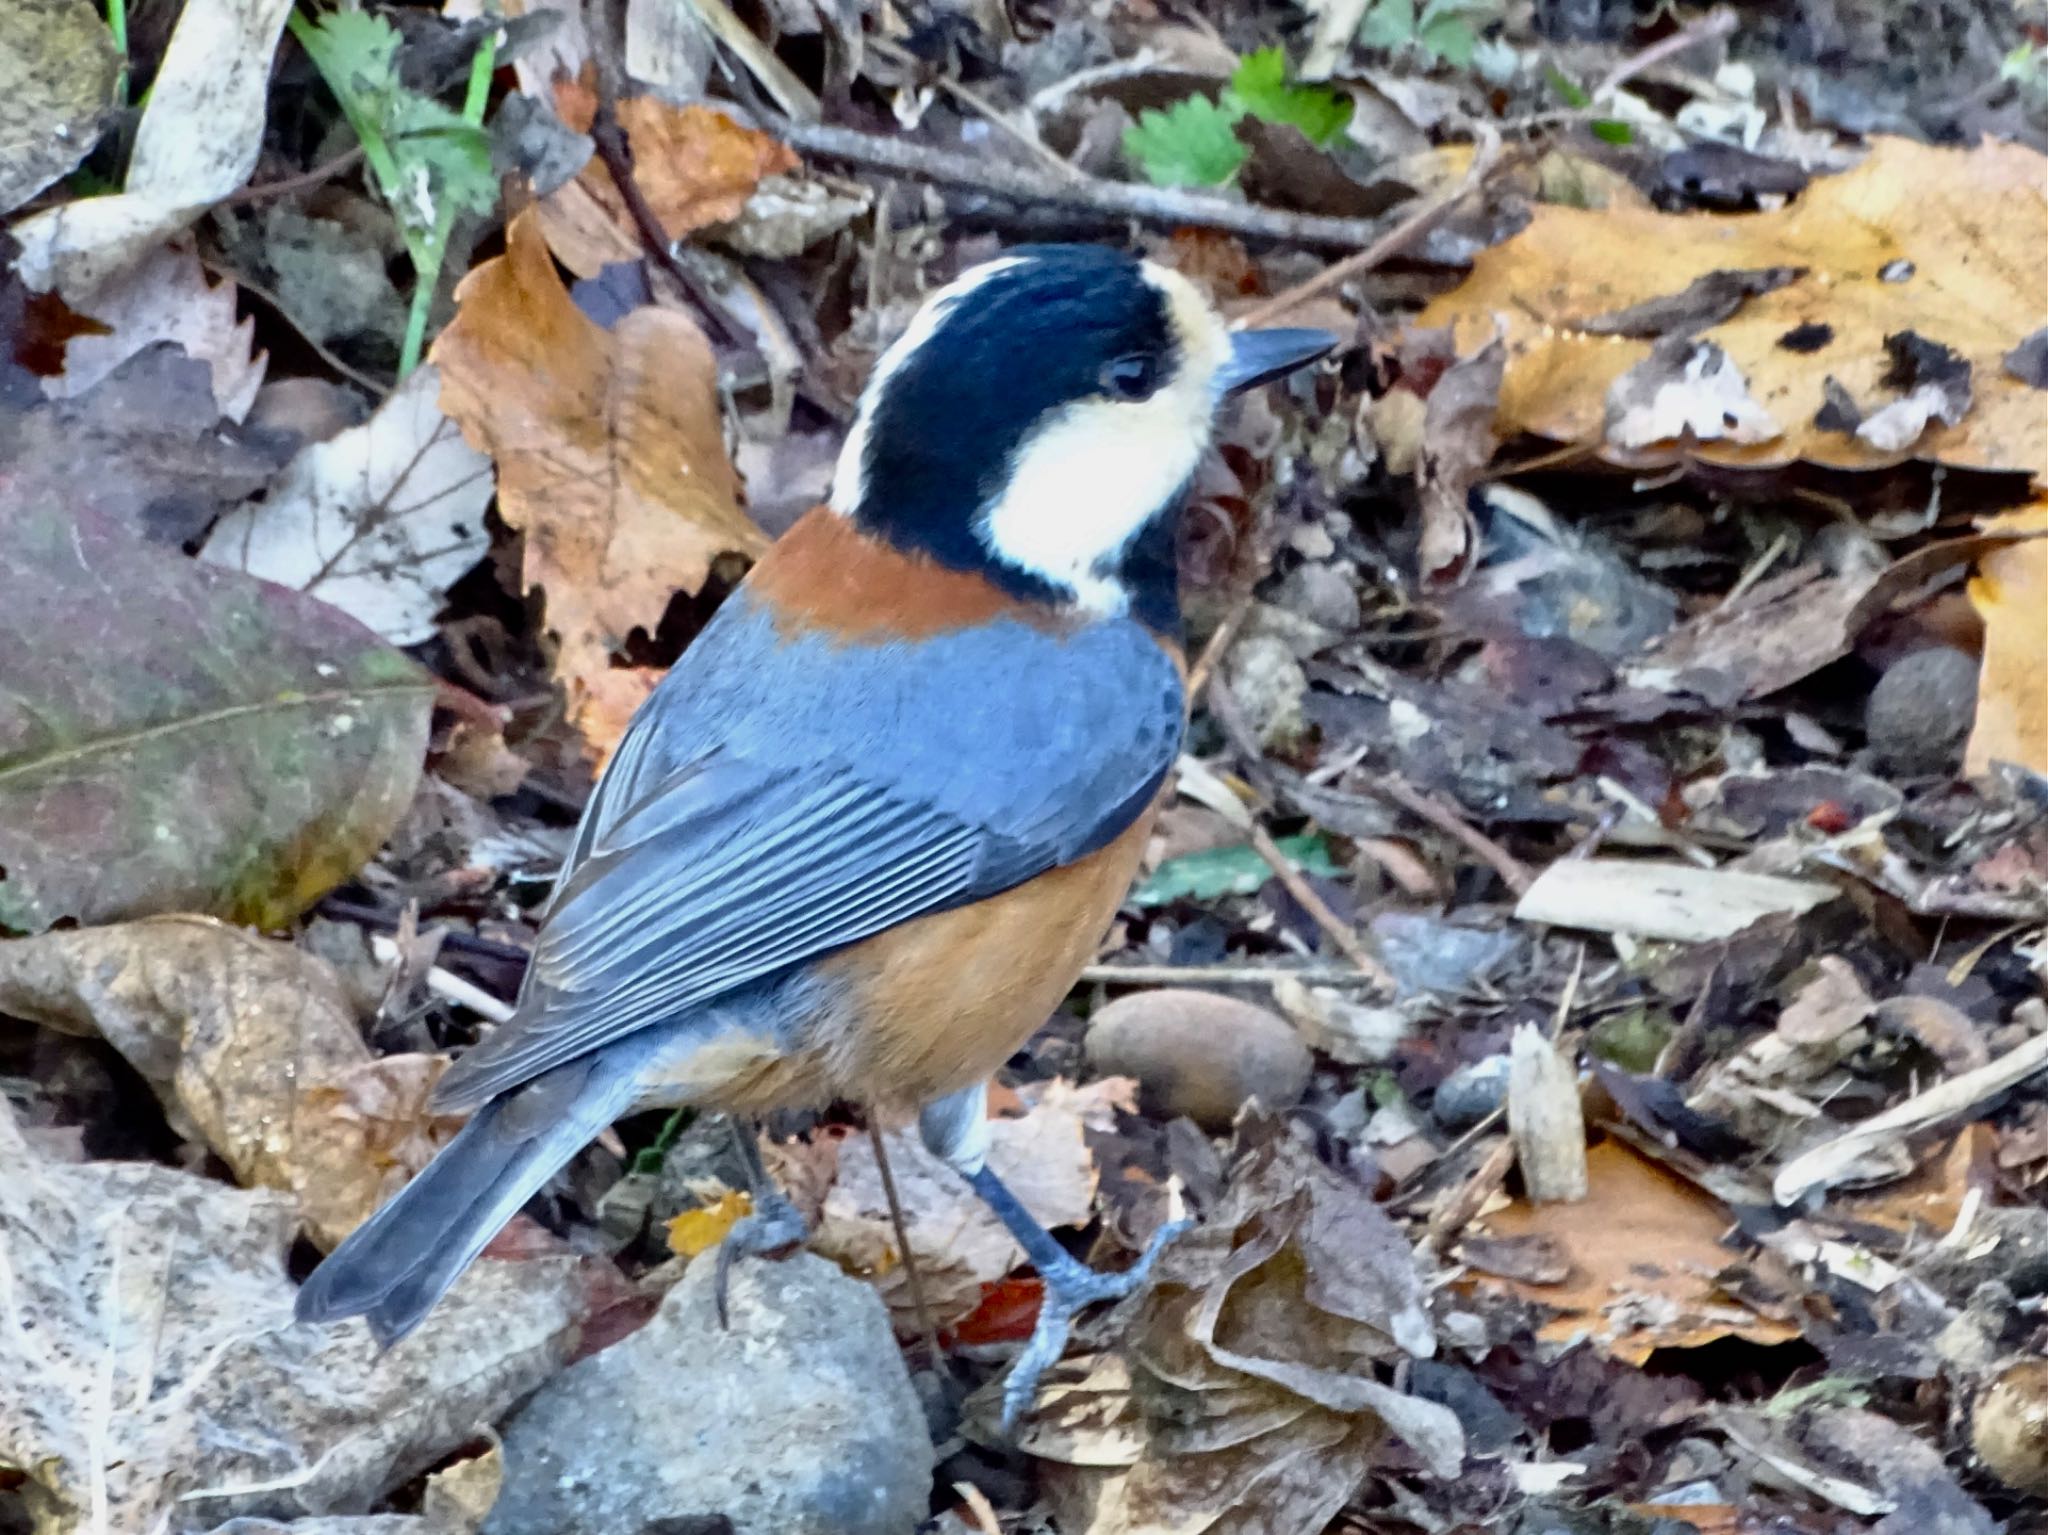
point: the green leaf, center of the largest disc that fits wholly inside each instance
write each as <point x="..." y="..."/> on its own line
<point x="1230" y="871"/>
<point x="1568" y="90"/>
<point x="1260" y="83"/>
<point x="1609" y="131"/>
<point x="455" y="154"/>
<point x="1390" y="24"/>
<point x="424" y="156"/>
<point x="201" y="741"/>
<point x="1449" y="37"/>
<point x="356" y="53"/>
<point x="1192" y="144"/>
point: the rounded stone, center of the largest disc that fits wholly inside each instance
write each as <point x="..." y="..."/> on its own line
<point x="1200" y="1054"/>
<point x="1920" y="712"/>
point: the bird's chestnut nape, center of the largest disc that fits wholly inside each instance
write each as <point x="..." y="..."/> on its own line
<point x="1040" y="419"/>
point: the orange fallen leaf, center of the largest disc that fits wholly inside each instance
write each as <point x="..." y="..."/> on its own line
<point x="698" y="1231"/>
<point x="611" y="460"/>
<point x="1928" y="1200"/>
<point x="1008" y="1311"/>
<point x="1951" y="244"/>
<point x="2010" y="593"/>
<point x="1644" y="1246"/>
<point x="695" y="165"/>
<point x="1703" y="1518"/>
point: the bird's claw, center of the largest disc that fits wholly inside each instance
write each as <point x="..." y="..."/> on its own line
<point x="1069" y="1290"/>
<point x="773" y="1230"/>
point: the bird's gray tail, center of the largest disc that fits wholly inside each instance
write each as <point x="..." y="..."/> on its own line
<point x="397" y="1264"/>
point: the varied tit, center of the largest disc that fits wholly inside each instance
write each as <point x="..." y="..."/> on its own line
<point x="863" y="837"/>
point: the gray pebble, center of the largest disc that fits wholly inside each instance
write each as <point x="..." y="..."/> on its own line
<point x="1471" y="1093"/>
<point x="799" y="1419"/>
<point x="1921" y="710"/>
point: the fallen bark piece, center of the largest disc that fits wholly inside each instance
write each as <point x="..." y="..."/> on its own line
<point x="1544" y="1117"/>
<point x="1663" y="900"/>
<point x="1825" y="1164"/>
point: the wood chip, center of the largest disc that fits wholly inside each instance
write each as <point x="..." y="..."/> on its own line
<point x="1663" y="900"/>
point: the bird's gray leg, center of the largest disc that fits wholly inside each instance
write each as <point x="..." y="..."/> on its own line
<point x="956" y="1129"/>
<point x="773" y="1229"/>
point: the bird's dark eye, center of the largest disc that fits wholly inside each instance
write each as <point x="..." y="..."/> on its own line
<point x="1130" y="378"/>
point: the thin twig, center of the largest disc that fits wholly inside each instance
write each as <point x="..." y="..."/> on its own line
<point x="1334" y="927"/>
<point x="910" y="1269"/>
<point x="1426" y="806"/>
<point x="1407" y="232"/>
<point x="615" y="151"/>
<point x="339" y="165"/>
<point x="1715" y="24"/>
<point x="972" y="99"/>
<point x="1223" y="975"/>
<point x="1459" y="1208"/>
<point x="1225" y="709"/>
<point x="1219" y="643"/>
<point x="1117" y="200"/>
<point x="445" y="984"/>
<point x="377" y="388"/>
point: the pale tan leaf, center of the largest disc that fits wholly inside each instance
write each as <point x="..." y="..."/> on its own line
<point x="198" y="139"/>
<point x="167" y="296"/>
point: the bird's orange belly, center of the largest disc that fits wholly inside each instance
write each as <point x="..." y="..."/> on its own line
<point x="939" y="1003"/>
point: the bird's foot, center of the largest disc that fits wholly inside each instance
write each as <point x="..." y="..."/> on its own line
<point x="1071" y="1286"/>
<point x="775" y="1229"/>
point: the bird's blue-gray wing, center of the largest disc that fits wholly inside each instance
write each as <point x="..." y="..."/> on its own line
<point x="778" y="800"/>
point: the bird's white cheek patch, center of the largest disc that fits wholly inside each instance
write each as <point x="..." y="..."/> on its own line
<point x="1083" y="485"/>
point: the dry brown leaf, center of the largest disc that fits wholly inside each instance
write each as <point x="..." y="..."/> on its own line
<point x="1246" y="1399"/>
<point x="1458" y="440"/>
<point x="611" y="460"/>
<point x="151" y="1377"/>
<point x="2010" y="592"/>
<point x="1644" y="1247"/>
<point x="1951" y="244"/>
<point x="694" y="163"/>
<point x="960" y="1246"/>
<point x="253" y="1047"/>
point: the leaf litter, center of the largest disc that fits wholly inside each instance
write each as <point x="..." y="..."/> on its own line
<point x="1690" y="1171"/>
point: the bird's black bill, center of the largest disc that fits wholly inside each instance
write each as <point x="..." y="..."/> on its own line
<point x="1259" y="356"/>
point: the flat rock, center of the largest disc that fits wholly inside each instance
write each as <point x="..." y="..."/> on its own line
<point x="798" y="1420"/>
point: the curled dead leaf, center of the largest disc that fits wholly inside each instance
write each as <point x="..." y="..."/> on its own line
<point x="253" y="1047"/>
<point x="611" y="460"/>
<point x="1245" y="1398"/>
<point x="151" y="1377"/>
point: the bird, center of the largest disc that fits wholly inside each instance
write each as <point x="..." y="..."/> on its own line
<point x="862" y="838"/>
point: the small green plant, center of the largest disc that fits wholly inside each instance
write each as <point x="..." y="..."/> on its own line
<point x="1194" y="142"/>
<point x="1446" y="30"/>
<point x="2027" y="67"/>
<point x="1606" y="129"/>
<point x="1236" y="870"/>
<point x="430" y="163"/>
